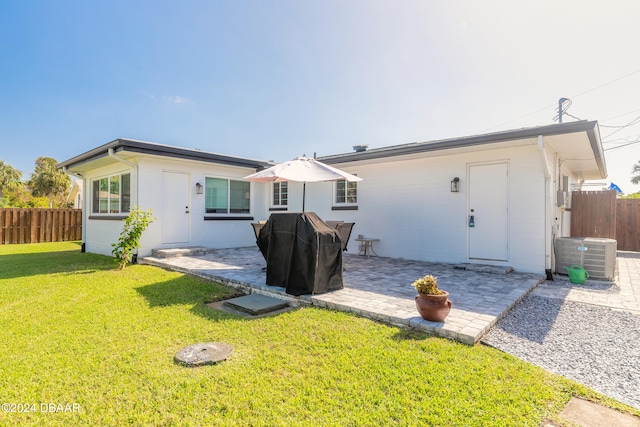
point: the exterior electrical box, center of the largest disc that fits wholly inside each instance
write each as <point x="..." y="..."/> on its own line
<point x="596" y="255"/>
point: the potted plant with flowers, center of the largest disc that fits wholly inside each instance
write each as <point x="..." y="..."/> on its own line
<point x="432" y="303"/>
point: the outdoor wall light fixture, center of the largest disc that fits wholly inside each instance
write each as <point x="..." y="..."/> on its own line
<point x="455" y="185"/>
<point x="198" y="188"/>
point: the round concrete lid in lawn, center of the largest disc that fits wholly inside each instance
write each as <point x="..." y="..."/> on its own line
<point x="206" y="353"/>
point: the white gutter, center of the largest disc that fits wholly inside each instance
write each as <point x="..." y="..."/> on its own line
<point x="133" y="165"/>
<point x="120" y="159"/>
<point x="547" y="207"/>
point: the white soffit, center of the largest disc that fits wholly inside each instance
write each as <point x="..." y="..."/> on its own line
<point x="576" y="154"/>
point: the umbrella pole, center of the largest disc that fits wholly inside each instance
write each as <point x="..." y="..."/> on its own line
<point x="304" y="190"/>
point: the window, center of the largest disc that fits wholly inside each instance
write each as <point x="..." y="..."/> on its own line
<point x="111" y="194"/>
<point x="225" y="196"/>
<point x="280" y="193"/>
<point x="346" y="192"/>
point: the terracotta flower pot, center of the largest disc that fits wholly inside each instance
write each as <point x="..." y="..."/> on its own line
<point x="434" y="308"/>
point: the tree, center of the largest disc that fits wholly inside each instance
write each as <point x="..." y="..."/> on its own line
<point x="636" y="170"/>
<point x="635" y="195"/>
<point x="47" y="180"/>
<point x="9" y="178"/>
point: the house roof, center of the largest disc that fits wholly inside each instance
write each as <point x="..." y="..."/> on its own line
<point x="578" y="143"/>
<point x="129" y="148"/>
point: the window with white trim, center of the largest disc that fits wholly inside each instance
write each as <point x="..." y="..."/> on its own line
<point x="346" y="193"/>
<point x="111" y="194"/>
<point x="227" y="196"/>
<point x="280" y="194"/>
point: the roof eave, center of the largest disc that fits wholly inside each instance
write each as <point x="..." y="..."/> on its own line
<point x="142" y="147"/>
<point x="468" y="141"/>
<point x="598" y="152"/>
<point x="88" y="156"/>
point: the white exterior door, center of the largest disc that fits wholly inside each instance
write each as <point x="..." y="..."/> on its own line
<point x="489" y="206"/>
<point x="175" y="207"/>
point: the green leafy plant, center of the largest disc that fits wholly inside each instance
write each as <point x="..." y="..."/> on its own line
<point x="134" y="225"/>
<point x="635" y="195"/>
<point x="427" y="285"/>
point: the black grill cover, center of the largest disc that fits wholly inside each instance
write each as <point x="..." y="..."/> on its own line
<point x="303" y="254"/>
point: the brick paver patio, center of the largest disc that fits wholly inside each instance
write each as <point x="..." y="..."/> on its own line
<point x="378" y="288"/>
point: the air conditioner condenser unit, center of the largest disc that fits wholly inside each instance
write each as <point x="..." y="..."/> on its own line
<point x="596" y="255"/>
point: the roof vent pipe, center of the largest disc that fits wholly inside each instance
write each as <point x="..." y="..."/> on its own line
<point x="360" y="148"/>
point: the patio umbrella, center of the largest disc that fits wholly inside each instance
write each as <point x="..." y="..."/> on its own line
<point x="302" y="169"/>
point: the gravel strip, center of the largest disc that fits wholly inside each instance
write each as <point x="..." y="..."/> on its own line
<point x="595" y="346"/>
<point x="597" y="286"/>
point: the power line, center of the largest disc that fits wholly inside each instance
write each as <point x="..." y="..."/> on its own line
<point x="621" y="146"/>
<point x="610" y="126"/>
<point x="620" y="140"/>
<point x="621" y="115"/>
<point x="546" y="107"/>
<point x="631" y="123"/>
<point x="608" y="83"/>
<point x="571" y="115"/>
<point x="575" y="96"/>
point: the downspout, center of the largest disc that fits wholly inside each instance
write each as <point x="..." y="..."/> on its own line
<point x="547" y="208"/>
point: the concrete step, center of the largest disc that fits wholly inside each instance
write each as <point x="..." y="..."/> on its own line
<point x="178" y="252"/>
<point x="482" y="268"/>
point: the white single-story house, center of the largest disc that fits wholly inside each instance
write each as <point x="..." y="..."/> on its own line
<point x="174" y="183"/>
<point x="499" y="198"/>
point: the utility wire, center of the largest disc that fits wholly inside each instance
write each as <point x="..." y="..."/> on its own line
<point x="612" y="127"/>
<point x="546" y="107"/>
<point x="621" y="146"/>
<point x="621" y="115"/>
<point x="608" y="83"/>
<point x="621" y="140"/>
<point x="571" y="115"/>
<point x="631" y="123"/>
<point x="575" y="96"/>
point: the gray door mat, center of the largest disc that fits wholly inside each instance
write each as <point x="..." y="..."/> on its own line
<point x="256" y="304"/>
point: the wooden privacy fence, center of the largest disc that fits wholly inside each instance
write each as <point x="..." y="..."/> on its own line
<point x="601" y="214"/>
<point x="628" y="224"/>
<point x="593" y="214"/>
<point x="39" y="225"/>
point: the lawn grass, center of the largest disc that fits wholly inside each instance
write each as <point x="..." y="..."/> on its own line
<point x="74" y="330"/>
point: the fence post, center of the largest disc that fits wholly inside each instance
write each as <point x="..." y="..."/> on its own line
<point x="3" y="214"/>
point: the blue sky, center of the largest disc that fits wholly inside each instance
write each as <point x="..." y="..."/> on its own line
<point x="275" y="79"/>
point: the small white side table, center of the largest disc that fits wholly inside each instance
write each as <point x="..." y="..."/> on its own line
<point x="366" y="246"/>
